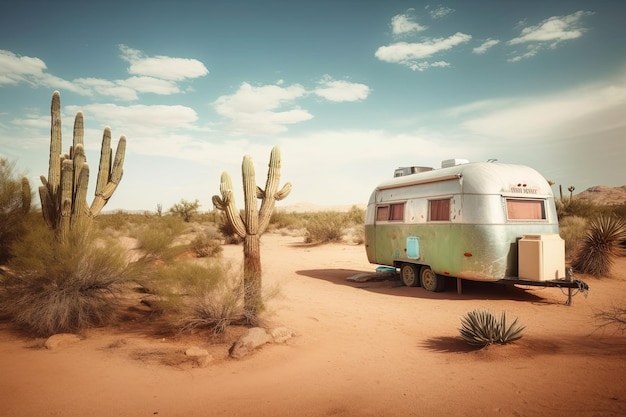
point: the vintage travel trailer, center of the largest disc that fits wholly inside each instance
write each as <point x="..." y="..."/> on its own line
<point x="482" y="221"/>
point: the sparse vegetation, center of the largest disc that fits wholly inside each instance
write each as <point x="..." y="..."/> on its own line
<point x="572" y="230"/>
<point x="600" y="246"/>
<point x="326" y="226"/>
<point x="55" y="286"/>
<point x="15" y="200"/>
<point x="206" y="244"/>
<point x="186" y="209"/>
<point x="481" y="327"/>
<point x="615" y="316"/>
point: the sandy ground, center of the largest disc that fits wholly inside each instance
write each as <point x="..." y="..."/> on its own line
<point x="362" y="349"/>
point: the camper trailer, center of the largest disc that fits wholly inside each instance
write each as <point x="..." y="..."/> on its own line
<point x="483" y="221"/>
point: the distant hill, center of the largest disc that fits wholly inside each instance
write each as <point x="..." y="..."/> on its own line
<point x="312" y="208"/>
<point x="605" y="196"/>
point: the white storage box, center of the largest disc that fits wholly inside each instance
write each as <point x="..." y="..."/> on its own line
<point x="541" y="257"/>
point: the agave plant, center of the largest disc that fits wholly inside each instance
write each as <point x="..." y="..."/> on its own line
<point x="600" y="246"/>
<point x="481" y="327"/>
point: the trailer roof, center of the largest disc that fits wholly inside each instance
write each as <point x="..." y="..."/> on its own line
<point x="480" y="178"/>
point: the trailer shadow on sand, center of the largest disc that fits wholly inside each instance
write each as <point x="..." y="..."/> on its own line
<point x="389" y="284"/>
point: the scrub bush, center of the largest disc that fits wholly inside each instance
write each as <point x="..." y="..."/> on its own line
<point x="206" y="244"/>
<point x="54" y="286"/>
<point x="326" y="226"/>
<point x="15" y="199"/>
<point x="572" y="230"/>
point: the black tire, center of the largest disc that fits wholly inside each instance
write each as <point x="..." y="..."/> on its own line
<point x="431" y="281"/>
<point x="409" y="275"/>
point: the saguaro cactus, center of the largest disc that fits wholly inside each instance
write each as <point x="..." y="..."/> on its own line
<point x="64" y="193"/>
<point x="253" y="223"/>
<point x="26" y="195"/>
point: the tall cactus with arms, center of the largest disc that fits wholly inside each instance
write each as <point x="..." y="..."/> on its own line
<point x="253" y="223"/>
<point x="64" y="193"/>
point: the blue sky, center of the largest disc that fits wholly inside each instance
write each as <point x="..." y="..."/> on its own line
<point x="349" y="90"/>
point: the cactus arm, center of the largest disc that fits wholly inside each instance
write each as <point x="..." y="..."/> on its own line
<point x="66" y="189"/>
<point x="77" y="151"/>
<point x="271" y="187"/>
<point x="228" y="203"/>
<point x="54" y="166"/>
<point x="109" y="176"/>
<point x="284" y="192"/>
<point x="249" y="190"/>
<point x="26" y="195"/>
<point x="80" y="210"/>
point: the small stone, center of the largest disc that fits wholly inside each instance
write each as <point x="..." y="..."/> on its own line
<point x="281" y="334"/>
<point x="253" y="339"/>
<point x="61" y="340"/>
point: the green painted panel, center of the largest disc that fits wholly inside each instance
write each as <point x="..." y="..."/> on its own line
<point x="472" y="251"/>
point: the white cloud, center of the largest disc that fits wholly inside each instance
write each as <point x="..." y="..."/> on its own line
<point x="138" y="118"/>
<point x="485" y="46"/>
<point x="337" y="91"/>
<point x="151" y="85"/>
<point x="439" y="12"/>
<point x="163" y="67"/>
<point x="550" y="33"/>
<point x="16" y="69"/>
<point x="402" y="24"/>
<point x="159" y="75"/>
<point x="409" y="53"/>
<point x="577" y="112"/>
<point x="257" y="110"/>
<point x="424" y="65"/>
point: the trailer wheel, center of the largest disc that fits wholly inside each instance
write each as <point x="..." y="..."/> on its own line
<point x="409" y="275"/>
<point x="431" y="281"/>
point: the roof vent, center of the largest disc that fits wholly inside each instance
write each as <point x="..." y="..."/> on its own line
<point x="402" y="171"/>
<point x="447" y="163"/>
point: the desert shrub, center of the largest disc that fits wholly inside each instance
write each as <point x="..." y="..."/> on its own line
<point x="206" y="244"/>
<point x="227" y="230"/>
<point x="57" y="287"/>
<point x="283" y="220"/>
<point x="356" y="215"/>
<point x="193" y="296"/>
<point x="326" y="226"/>
<point x="481" y="327"/>
<point x="14" y="207"/>
<point x="580" y="207"/>
<point x="358" y="235"/>
<point x="572" y="230"/>
<point x="157" y="236"/>
<point x="615" y="315"/>
<point x="185" y="209"/>
<point x="600" y="246"/>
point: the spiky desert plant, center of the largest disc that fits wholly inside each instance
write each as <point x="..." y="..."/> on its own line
<point x="481" y="327"/>
<point x="64" y="193"/>
<point x="253" y="223"/>
<point x="600" y="246"/>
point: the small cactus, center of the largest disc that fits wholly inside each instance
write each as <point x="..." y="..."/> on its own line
<point x="64" y="193"/>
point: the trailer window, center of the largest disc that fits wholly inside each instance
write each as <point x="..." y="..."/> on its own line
<point x="524" y="209"/>
<point x="397" y="212"/>
<point x="439" y="210"/>
<point x="382" y="213"/>
<point x="393" y="212"/>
